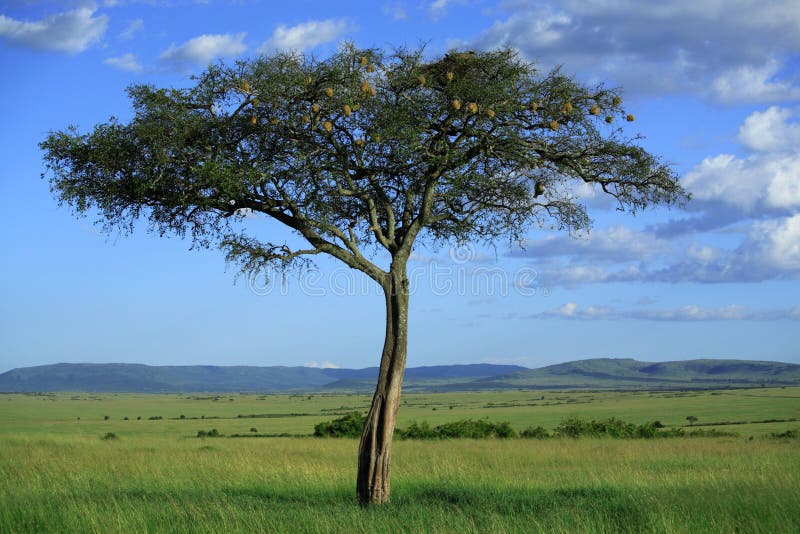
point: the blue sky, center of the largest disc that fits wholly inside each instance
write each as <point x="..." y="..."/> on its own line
<point x="715" y="87"/>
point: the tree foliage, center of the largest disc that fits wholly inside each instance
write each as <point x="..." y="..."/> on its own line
<point x="363" y="149"/>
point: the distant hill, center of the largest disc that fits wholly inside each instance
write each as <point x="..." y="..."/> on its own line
<point x="610" y="373"/>
<point x="418" y="378"/>
<point x="600" y="373"/>
<point x="137" y="378"/>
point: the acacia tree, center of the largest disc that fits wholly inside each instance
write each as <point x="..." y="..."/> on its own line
<point x="364" y="151"/>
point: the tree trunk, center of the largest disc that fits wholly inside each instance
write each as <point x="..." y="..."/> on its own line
<point x="374" y="454"/>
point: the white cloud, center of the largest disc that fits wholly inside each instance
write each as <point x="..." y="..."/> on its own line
<point x="727" y="189"/>
<point x="766" y="181"/>
<point x="124" y="62"/>
<point x="570" y="310"/>
<point x="771" y="131"/>
<point x="322" y="365"/>
<point x="751" y="185"/>
<point x="755" y="84"/>
<point x="775" y="243"/>
<point x="769" y="250"/>
<point x="70" y="32"/>
<point x="613" y="244"/>
<point x="204" y="49"/>
<point x="567" y="310"/>
<point x="695" y="313"/>
<point x="135" y="26"/>
<point x="729" y="180"/>
<point x="306" y="36"/>
<point x="692" y="312"/>
<point x="733" y="51"/>
<point x="541" y="31"/>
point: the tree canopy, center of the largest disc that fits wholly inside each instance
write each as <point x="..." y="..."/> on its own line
<point x="363" y="149"/>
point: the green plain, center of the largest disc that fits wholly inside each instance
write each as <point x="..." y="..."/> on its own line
<point x="58" y="475"/>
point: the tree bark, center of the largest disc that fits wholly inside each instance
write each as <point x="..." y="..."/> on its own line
<point x="374" y="454"/>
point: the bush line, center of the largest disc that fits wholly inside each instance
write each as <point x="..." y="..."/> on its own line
<point x="351" y="425"/>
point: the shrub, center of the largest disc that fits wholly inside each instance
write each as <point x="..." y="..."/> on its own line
<point x="213" y="433"/>
<point x="109" y="436"/>
<point x="467" y="428"/>
<point x="573" y="428"/>
<point x="105" y="418"/>
<point x="647" y="430"/>
<point x="475" y="429"/>
<point x="712" y="433"/>
<point x="417" y="431"/>
<point x="612" y="428"/>
<point x="182" y="417"/>
<point x="253" y="429"/>
<point x="790" y="434"/>
<point x="538" y="432"/>
<point x="698" y="433"/>
<point x="348" y="426"/>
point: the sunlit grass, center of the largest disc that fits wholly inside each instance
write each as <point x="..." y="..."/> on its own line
<point x="58" y="475"/>
<point x="140" y="484"/>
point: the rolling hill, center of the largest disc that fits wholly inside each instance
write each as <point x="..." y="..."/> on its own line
<point x="609" y="373"/>
<point x="137" y="378"/>
<point x="600" y="373"/>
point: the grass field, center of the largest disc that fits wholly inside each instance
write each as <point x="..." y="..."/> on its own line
<point x="58" y="475"/>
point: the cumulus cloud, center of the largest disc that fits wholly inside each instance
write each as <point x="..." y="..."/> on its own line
<point x="751" y="185"/>
<point x="70" y="32"/>
<point x="772" y="130"/>
<point x="692" y="312"/>
<point x="664" y="47"/>
<point x="306" y="36"/>
<point x="126" y="62"/>
<point x="774" y="243"/>
<point x="755" y="84"/>
<point x="204" y="49"/>
<point x="764" y="181"/>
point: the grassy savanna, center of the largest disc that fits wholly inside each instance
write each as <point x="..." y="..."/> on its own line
<point x="83" y="414"/>
<point x="58" y="475"/>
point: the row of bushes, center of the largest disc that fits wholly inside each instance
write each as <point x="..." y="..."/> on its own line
<point x="612" y="428"/>
<point x="467" y="428"/>
<point x="351" y="425"/>
<point x="616" y="428"/>
<point x="138" y="418"/>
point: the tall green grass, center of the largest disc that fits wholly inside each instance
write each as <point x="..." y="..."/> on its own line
<point x="58" y="475"/>
<point x="145" y="484"/>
